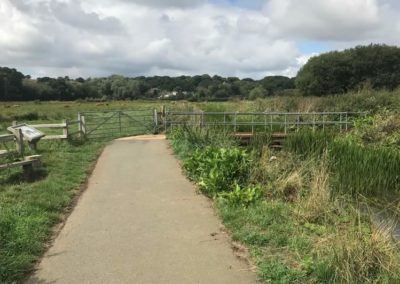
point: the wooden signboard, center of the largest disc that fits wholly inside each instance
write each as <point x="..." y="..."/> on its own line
<point x="30" y="133"/>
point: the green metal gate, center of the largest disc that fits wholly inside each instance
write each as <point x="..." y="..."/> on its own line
<point x="120" y="123"/>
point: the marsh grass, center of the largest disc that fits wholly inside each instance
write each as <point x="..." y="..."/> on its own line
<point x="308" y="142"/>
<point x="364" y="170"/>
<point x="355" y="169"/>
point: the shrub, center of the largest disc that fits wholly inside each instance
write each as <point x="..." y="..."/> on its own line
<point x="218" y="170"/>
<point x="242" y="196"/>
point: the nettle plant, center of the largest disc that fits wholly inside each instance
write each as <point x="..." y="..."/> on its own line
<point x="218" y="169"/>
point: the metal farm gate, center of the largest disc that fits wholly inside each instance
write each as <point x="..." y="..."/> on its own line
<point x="112" y="124"/>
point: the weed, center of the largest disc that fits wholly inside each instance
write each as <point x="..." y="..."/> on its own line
<point x="242" y="196"/>
<point x="317" y="202"/>
<point x="218" y="170"/>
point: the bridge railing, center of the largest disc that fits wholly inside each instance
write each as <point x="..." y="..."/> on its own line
<point x="263" y="121"/>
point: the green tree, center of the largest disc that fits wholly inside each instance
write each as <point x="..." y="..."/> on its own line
<point x="258" y="92"/>
<point x="11" y="87"/>
<point x="341" y="71"/>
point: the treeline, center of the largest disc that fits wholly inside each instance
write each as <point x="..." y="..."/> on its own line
<point x="374" y="66"/>
<point x="15" y="86"/>
<point x="337" y="72"/>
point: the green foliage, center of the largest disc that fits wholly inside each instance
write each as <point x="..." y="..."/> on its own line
<point x="257" y="93"/>
<point x="14" y="86"/>
<point x="10" y="84"/>
<point x="355" y="169"/>
<point x="297" y="231"/>
<point x="242" y="196"/>
<point x="218" y="170"/>
<point x="277" y="84"/>
<point x="364" y="170"/>
<point x="382" y="129"/>
<point x="372" y="66"/>
<point x="308" y="142"/>
<point x="187" y="139"/>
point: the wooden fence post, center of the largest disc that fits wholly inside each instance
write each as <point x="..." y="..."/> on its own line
<point x="165" y="119"/>
<point x="19" y="141"/>
<point x="155" y="120"/>
<point x="82" y="126"/>
<point x="65" y="129"/>
<point x="119" y="122"/>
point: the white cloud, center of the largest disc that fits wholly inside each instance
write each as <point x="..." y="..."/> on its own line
<point x="138" y="37"/>
<point x="323" y="20"/>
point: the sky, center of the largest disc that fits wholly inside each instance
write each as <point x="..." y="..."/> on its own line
<point x="253" y="38"/>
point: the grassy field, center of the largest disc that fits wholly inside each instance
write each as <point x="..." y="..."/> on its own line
<point x="283" y="209"/>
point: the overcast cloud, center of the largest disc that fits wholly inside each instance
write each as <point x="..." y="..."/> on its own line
<point x="185" y="37"/>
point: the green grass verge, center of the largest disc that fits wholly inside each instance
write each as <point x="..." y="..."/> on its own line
<point x="29" y="211"/>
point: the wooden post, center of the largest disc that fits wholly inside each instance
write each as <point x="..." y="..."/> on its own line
<point x="19" y="141"/>
<point x="65" y="129"/>
<point x="83" y="125"/>
<point x="33" y="145"/>
<point x="80" y="127"/>
<point x="29" y="169"/>
<point x="119" y="122"/>
<point x="165" y="118"/>
<point x="163" y="111"/>
<point x="155" y="118"/>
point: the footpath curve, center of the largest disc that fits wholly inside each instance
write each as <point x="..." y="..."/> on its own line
<point x="141" y="221"/>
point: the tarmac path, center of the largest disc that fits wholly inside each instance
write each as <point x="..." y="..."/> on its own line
<point x="141" y="221"/>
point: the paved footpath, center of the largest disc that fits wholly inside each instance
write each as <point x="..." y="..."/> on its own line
<point x="140" y="221"/>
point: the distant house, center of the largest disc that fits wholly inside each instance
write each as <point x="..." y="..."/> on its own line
<point x="167" y="95"/>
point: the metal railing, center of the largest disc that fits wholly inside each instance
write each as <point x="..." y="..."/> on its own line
<point x="263" y="121"/>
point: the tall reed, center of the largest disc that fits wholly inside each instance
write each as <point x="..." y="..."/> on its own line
<point x="364" y="170"/>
